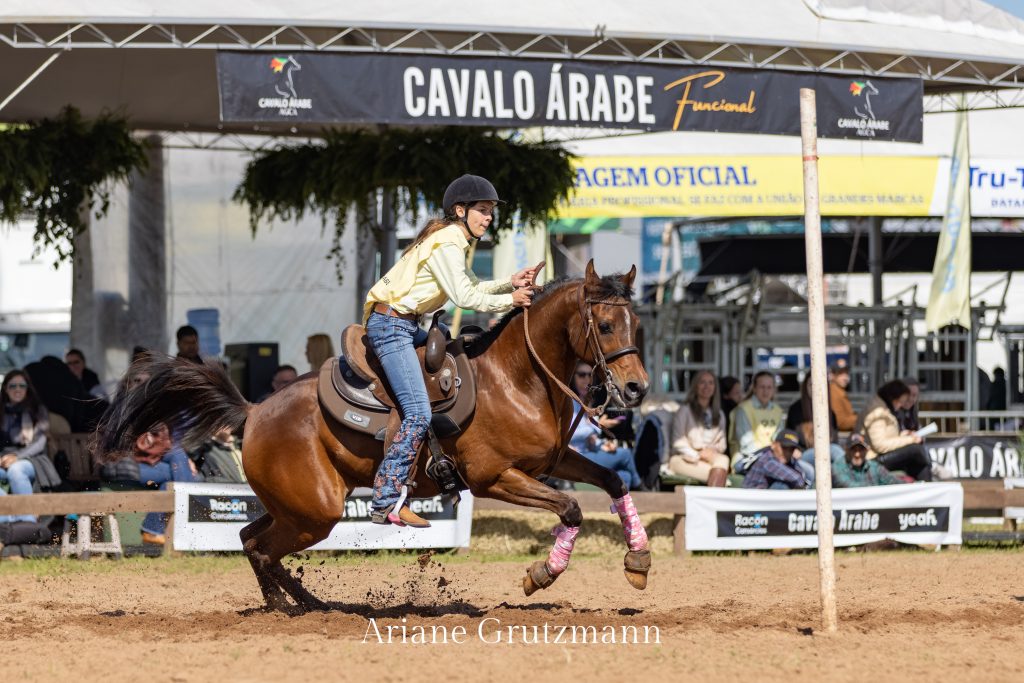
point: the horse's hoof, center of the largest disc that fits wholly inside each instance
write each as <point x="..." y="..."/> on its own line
<point x="537" y="577"/>
<point x="637" y="565"/>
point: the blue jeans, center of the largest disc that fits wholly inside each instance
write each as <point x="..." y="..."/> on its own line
<point x="394" y="341"/>
<point x="172" y="467"/>
<point x="619" y="461"/>
<point x="20" y="476"/>
<point x="834" y="451"/>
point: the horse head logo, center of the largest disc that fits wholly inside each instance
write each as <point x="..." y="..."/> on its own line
<point x="867" y="88"/>
<point x="284" y="67"/>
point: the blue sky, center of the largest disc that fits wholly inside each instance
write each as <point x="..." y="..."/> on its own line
<point x="1012" y="6"/>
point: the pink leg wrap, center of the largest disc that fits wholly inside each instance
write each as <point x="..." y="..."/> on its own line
<point x="636" y="535"/>
<point x="565" y="539"/>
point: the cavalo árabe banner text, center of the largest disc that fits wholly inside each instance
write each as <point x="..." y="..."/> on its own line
<point x="753" y="519"/>
<point x="209" y="517"/>
<point x="978" y="457"/>
<point x="512" y="93"/>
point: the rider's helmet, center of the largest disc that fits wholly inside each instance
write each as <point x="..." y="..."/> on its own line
<point x="467" y="189"/>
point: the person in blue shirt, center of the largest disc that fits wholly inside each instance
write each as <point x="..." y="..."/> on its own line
<point x="589" y="441"/>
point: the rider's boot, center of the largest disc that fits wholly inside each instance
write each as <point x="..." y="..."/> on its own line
<point x="389" y="486"/>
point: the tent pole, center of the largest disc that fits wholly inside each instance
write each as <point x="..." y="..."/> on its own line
<point x="24" y="84"/>
<point x="819" y="381"/>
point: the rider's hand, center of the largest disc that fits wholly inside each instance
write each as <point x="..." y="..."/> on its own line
<point x="522" y="297"/>
<point x="525" y="277"/>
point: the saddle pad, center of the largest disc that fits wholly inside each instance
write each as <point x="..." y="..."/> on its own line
<point x="364" y="413"/>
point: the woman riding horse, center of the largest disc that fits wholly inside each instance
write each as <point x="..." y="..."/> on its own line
<point x="303" y="464"/>
<point x="431" y="271"/>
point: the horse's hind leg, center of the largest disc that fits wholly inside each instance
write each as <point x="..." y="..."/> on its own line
<point x="273" y="596"/>
<point x="280" y="539"/>
<point x="575" y="467"/>
<point x="514" y="486"/>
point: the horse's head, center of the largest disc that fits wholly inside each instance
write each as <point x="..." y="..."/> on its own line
<point x="607" y="339"/>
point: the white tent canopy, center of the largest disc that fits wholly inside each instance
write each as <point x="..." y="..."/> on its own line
<point x="156" y="59"/>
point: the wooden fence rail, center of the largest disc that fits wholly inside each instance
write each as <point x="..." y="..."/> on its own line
<point x="981" y="498"/>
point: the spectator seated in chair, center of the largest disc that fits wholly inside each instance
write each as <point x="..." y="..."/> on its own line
<point x="776" y="466"/>
<point x="24" y="461"/>
<point x="698" y="449"/>
<point x="894" y="448"/>
<point x="156" y="460"/>
<point x="755" y="421"/>
<point x="587" y="440"/>
<point x="855" y="469"/>
<point x="220" y="459"/>
<point x="839" y="400"/>
<point x="800" y="418"/>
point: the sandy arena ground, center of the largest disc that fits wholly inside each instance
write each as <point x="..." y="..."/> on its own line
<point x="904" y="616"/>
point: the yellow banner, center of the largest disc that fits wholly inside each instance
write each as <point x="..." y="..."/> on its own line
<point x="716" y="186"/>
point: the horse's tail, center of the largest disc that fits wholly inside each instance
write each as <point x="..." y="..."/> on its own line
<point x="194" y="401"/>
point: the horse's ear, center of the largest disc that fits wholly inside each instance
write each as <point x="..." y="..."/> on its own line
<point x="630" y="276"/>
<point x="591" y="272"/>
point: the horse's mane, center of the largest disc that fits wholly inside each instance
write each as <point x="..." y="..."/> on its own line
<point x="609" y="287"/>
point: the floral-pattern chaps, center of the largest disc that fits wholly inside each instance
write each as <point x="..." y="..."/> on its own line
<point x="389" y="483"/>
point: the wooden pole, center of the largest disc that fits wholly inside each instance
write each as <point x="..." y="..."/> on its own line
<point x="819" y="380"/>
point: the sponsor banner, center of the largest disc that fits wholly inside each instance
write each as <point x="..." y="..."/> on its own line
<point x="513" y="93"/>
<point x="978" y="457"/>
<point x="752" y="519"/>
<point x="741" y="186"/>
<point x="209" y="517"/>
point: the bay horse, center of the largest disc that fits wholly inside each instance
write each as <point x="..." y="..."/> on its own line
<point x="302" y="465"/>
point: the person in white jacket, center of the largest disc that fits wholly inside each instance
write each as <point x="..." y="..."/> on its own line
<point x="698" y="434"/>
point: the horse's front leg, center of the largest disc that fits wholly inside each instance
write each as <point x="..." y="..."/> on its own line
<point x="575" y="467"/>
<point x="514" y="486"/>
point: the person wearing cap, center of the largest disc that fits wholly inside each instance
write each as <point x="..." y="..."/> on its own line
<point x="839" y="401"/>
<point x="431" y="271"/>
<point x="855" y="469"/>
<point x="777" y="466"/>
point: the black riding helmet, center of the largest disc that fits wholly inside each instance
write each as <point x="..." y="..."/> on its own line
<point x="468" y="189"/>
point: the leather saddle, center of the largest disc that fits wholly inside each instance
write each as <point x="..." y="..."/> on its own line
<point x="354" y="391"/>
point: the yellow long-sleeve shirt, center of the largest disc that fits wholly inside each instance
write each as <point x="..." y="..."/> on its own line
<point x="433" y="272"/>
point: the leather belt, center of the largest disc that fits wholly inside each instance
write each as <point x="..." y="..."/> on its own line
<point x="384" y="309"/>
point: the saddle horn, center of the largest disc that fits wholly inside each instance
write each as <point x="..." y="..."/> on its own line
<point x="437" y="341"/>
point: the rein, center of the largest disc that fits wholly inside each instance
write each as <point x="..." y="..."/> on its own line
<point x="601" y="361"/>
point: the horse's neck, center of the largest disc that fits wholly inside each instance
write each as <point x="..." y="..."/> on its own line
<point x="548" y="334"/>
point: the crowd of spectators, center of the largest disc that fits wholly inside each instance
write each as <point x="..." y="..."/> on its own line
<point x="717" y="436"/>
<point x="717" y="429"/>
<point x="50" y="392"/>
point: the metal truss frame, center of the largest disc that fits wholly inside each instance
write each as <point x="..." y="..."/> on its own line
<point x="940" y="72"/>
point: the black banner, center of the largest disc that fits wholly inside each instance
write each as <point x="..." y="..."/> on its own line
<point x="205" y="508"/>
<point x="736" y="523"/>
<point x="977" y="457"/>
<point x="512" y="93"/>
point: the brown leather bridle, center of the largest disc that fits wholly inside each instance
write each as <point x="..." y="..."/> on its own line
<point x="601" y="360"/>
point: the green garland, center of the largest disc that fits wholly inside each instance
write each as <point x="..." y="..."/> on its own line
<point x="348" y="169"/>
<point x="54" y="167"/>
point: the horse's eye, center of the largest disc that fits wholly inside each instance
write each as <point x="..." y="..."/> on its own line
<point x="605" y="328"/>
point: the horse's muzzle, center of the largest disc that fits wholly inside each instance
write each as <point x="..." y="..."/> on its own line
<point x="634" y="392"/>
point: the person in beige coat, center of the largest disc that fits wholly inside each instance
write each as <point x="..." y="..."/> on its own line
<point x="698" y="431"/>
<point x="893" y="448"/>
